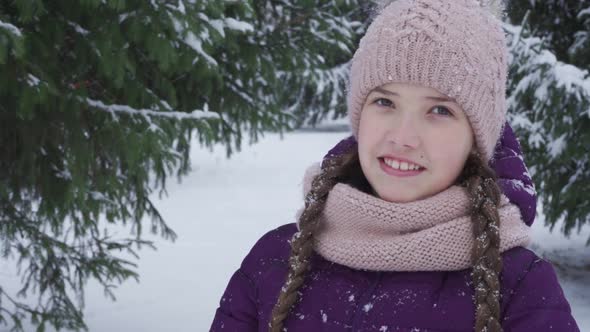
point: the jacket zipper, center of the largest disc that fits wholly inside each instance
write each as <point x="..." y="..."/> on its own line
<point x="363" y="301"/>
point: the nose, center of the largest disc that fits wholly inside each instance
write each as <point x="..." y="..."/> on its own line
<point x="403" y="132"/>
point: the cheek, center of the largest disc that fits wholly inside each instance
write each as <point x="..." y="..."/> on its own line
<point x="451" y="147"/>
<point x="364" y="146"/>
<point x="368" y="131"/>
<point x="369" y="136"/>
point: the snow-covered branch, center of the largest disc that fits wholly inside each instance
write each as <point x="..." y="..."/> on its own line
<point x="547" y="71"/>
<point x="14" y="30"/>
<point x="125" y="109"/>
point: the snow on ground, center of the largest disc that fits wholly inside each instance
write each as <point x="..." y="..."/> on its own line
<point x="221" y="209"/>
<point x="571" y="260"/>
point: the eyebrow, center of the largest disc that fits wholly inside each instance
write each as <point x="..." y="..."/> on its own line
<point x="441" y="99"/>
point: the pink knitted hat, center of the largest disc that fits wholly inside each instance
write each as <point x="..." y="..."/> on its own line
<point x="454" y="46"/>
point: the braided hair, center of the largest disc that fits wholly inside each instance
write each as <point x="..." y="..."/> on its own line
<point x="484" y="193"/>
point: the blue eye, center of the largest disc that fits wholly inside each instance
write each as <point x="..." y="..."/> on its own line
<point x="445" y="111"/>
<point x="383" y="102"/>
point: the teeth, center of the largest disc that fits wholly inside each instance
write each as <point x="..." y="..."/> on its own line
<point x="404" y="166"/>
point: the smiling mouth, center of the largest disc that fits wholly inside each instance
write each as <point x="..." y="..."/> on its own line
<point x="401" y="165"/>
<point x="399" y="171"/>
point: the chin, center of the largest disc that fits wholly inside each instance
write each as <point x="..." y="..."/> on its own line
<point x="397" y="198"/>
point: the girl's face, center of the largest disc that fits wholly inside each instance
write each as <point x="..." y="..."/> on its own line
<point x="413" y="141"/>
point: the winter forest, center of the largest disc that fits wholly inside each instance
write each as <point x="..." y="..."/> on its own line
<point x="146" y="145"/>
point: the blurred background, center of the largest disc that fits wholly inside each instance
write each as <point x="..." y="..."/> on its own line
<point x="146" y="145"/>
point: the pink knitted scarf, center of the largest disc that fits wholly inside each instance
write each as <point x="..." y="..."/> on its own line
<point x="435" y="234"/>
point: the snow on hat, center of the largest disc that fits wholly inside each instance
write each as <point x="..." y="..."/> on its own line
<point x="454" y="46"/>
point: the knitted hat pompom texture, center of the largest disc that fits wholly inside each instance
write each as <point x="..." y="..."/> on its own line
<point x="457" y="47"/>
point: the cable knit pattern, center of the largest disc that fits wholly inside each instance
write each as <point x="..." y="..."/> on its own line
<point x="435" y="234"/>
<point x="455" y="47"/>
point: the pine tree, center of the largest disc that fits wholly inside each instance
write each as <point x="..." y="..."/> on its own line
<point x="562" y="24"/>
<point x="320" y="93"/>
<point x="549" y="103"/>
<point x="99" y="103"/>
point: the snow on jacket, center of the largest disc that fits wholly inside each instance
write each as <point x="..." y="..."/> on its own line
<point x="337" y="298"/>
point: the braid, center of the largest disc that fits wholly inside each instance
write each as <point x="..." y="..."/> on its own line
<point x="480" y="181"/>
<point x="333" y="170"/>
<point x="486" y="259"/>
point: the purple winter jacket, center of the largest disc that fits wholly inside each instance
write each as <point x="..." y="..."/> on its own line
<point x="338" y="298"/>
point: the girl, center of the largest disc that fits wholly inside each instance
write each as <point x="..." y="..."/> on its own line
<point x="405" y="227"/>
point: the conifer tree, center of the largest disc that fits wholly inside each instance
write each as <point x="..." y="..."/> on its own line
<point x="549" y="103"/>
<point x="99" y="103"/>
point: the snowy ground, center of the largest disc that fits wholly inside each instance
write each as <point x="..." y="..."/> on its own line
<point x="221" y="209"/>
